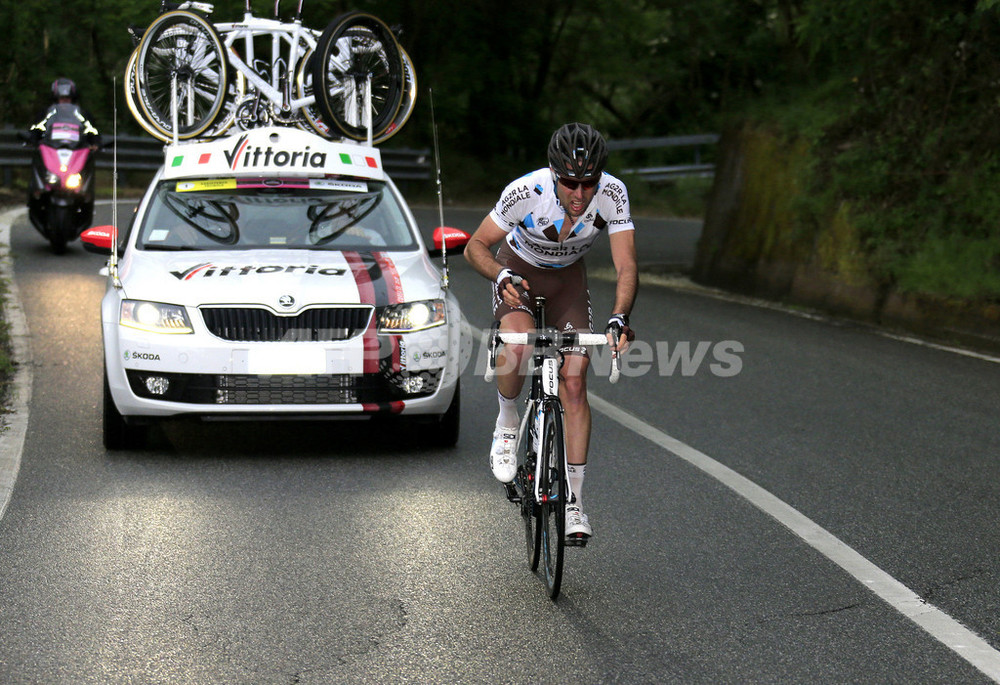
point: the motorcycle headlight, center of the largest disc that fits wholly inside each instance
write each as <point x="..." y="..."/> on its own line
<point x="155" y="317"/>
<point x="412" y="316"/>
<point x="51" y="178"/>
<point x="74" y="181"/>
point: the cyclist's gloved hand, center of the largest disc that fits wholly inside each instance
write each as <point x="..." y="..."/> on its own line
<point x="511" y="296"/>
<point x="620" y="332"/>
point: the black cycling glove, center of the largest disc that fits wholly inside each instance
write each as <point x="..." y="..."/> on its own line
<point x="504" y="277"/>
<point x="617" y="326"/>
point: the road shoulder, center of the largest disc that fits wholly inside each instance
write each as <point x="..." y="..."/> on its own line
<point x="14" y="423"/>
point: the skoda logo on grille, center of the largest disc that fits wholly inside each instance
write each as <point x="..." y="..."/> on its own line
<point x="286" y="301"/>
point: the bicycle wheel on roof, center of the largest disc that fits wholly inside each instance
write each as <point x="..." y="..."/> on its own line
<point x="222" y="122"/>
<point x="357" y="55"/>
<point x="132" y="97"/>
<point x="407" y="102"/>
<point x="181" y="48"/>
<point x="312" y="120"/>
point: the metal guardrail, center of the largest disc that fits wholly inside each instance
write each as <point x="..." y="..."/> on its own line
<point x="672" y="171"/>
<point x="142" y="153"/>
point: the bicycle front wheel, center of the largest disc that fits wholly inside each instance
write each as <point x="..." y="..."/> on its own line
<point x="357" y="55"/>
<point x="525" y="486"/>
<point x="554" y="492"/>
<point x="181" y="50"/>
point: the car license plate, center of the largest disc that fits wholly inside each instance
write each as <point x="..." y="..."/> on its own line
<point x="284" y="360"/>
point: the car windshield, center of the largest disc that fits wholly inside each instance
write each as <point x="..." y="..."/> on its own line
<point x="291" y="213"/>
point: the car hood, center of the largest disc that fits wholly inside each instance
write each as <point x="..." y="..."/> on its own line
<point x="283" y="280"/>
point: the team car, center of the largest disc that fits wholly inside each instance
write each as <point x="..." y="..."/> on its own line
<point x="276" y="274"/>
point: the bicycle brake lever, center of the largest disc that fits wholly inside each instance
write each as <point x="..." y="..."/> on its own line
<point x="616" y="367"/>
<point x="491" y="361"/>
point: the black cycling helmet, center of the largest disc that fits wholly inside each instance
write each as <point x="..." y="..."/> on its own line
<point x="577" y="151"/>
<point x="63" y="88"/>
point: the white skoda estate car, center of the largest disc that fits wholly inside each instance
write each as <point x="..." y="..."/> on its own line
<point x="276" y="274"/>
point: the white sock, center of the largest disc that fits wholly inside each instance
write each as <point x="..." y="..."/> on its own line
<point x="575" y="473"/>
<point x="508" y="412"/>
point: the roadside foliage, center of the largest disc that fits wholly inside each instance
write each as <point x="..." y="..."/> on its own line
<point x="894" y="101"/>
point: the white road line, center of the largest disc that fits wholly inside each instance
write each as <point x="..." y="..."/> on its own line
<point x="15" y="424"/>
<point x="940" y="625"/>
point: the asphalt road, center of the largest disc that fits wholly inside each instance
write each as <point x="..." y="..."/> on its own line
<point x="719" y="491"/>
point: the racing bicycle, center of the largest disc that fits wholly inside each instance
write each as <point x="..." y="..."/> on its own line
<point x="541" y="488"/>
<point x="207" y="77"/>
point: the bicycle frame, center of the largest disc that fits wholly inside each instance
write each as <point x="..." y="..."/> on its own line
<point x="544" y="385"/>
<point x="544" y="375"/>
<point x="543" y="503"/>
<point x="286" y="39"/>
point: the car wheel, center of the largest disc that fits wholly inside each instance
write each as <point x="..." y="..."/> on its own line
<point x="118" y="435"/>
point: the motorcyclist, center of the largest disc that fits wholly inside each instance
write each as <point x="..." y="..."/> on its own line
<point x="64" y="126"/>
<point x="64" y="92"/>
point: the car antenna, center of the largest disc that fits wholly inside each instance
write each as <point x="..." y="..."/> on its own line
<point x="437" y="169"/>
<point x="113" y="262"/>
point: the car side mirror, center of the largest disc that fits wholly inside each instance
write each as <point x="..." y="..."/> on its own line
<point x="99" y="239"/>
<point x="454" y="239"/>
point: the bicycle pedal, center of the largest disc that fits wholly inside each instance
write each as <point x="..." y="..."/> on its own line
<point x="511" y="492"/>
<point x="577" y="540"/>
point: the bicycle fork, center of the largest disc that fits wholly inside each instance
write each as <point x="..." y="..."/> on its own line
<point x="550" y="388"/>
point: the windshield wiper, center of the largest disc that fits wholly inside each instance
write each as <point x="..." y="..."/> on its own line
<point x="171" y="248"/>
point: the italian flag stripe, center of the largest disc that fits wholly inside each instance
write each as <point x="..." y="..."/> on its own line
<point x="359" y="160"/>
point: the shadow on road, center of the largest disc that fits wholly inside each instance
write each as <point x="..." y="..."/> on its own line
<point x="374" y="439"/>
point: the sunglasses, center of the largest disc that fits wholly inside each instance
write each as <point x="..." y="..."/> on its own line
<point x="570" y="184"/>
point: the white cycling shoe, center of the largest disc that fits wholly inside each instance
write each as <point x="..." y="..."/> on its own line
<point x="502" y="459"/>
<point x="577" y="525"/>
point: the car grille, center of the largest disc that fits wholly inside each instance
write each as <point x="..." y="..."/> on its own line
<point x="252" y="324"/>
<point x="248" y="389"/>
<point x="332" y="389"/>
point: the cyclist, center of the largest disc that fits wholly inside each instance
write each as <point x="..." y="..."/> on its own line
<point x="64" y="93"/>
<point x="544" y="223"/>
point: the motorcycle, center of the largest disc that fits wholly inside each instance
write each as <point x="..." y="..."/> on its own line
<point x="61" y="189"/>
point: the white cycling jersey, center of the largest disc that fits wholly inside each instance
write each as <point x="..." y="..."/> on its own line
<point x="531" y="214"/>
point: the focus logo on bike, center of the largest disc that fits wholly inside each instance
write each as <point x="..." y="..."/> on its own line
<point x="550" y="376"/>
<point x="280" y="151"/>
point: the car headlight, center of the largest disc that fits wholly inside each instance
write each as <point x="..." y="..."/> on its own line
<point x="155" y="317"/>
<point x="411" y="316"/>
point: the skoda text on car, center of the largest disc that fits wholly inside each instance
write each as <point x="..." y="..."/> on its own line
<point x="276" y="274"/>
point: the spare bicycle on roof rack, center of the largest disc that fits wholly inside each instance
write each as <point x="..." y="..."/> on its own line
<point x="191" y="78"/>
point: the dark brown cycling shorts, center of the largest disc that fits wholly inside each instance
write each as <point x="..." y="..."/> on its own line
<point x="567" y="298"/>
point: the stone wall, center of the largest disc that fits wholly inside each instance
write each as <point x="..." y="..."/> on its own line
<point x="755" y="241"/>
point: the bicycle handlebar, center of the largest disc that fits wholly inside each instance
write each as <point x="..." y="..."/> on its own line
<point x="556" y="339"/>
<point x="563" y="338"/>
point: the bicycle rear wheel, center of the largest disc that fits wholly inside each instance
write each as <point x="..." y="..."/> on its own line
<point x="183" y="45"/>
<point x="553" y="491"/>
<point x="354" y="47"/>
